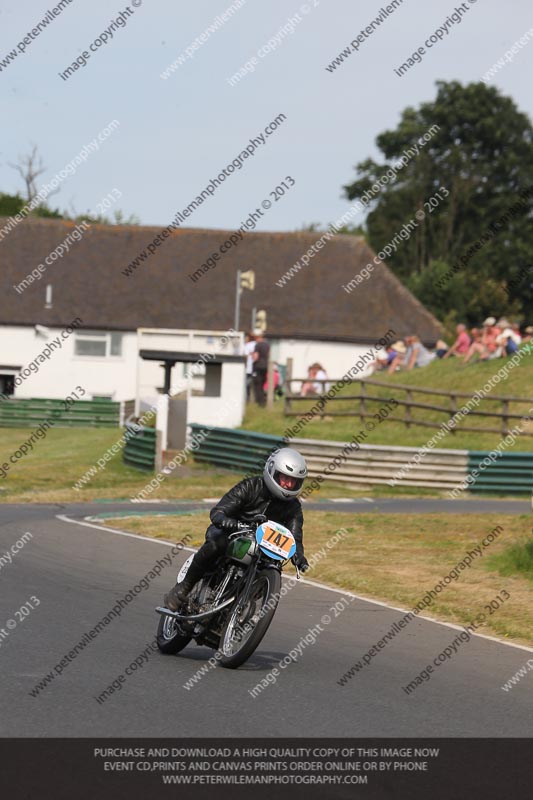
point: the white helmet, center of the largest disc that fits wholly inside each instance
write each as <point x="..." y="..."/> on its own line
<point x="285" y="462"/>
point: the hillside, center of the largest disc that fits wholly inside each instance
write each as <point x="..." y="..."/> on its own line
<point x="448" y="376"/>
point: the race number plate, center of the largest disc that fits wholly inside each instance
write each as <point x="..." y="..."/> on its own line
<point x="184" y="567"/>
<point x="275" y="540"/>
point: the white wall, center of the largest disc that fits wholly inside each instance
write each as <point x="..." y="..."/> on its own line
<point x="127" y="376"/>
<point x="63" y="370"/>
<point x="150" y="375"/>
<point x="226" y="411"/>
<point x="337" y="358"/>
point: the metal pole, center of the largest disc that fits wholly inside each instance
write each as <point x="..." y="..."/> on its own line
<point x="168" y="370"/>
<point x="254" y="312"/>
<point x="237" y="301"/>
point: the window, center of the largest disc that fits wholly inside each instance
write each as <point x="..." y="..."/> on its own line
<point x="98" y="344"/>
<point x="7" y="385"/>
<point x="91" y="344"/>
<point x="116" y="344"/>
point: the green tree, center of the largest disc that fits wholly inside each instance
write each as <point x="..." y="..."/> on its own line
<point x="11" y="204"/>
<point x="117" y="219"/>
<point x="30" y="167"/>
<point x="480" y="160"/>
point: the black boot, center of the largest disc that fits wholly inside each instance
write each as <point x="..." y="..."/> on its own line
<point x="179" y="593"/>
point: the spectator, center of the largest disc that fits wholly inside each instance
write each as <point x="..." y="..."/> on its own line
<point x="528" y="334"/>
<point x="462" y="343"/>
<point x="508" y="340"/>
<point x="516" y="330"/>
<point x="385" y="359"/>
<point x="486" y="347"/>
<point x="260" y="357"/>
<point x="249" y="347"/>
<point x="441" y="348"/>
<point x="320" y="375"/>
<point x="476" y="334"/>
<point x="491" y="331"/>
<point x="399" y="349"/>
<point x="309" y="386"/>
<point x="417" y="355"/>
<point x="275" y="381"/>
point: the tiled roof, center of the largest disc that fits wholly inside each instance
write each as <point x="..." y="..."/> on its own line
<point x="88" y="282"/>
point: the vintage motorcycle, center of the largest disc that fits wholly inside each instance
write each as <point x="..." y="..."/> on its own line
<point x="230" y="609"/>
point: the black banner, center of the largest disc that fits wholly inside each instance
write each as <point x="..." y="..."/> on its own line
<point x="265" y="768"/>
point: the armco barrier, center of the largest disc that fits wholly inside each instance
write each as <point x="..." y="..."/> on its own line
<point x="246" y="451"/>
<point x="241" y="451"/>
<point x="508" y="473"/>
<point x="374" y="465"/>
<point x="29" y="413"/>
<point x="370" y="465"/>
<point x="139" y="450"/>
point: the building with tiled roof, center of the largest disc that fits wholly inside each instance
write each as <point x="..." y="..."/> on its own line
<point x="186" y="280"/>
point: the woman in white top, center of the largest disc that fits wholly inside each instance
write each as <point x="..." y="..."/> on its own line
<point x="320" y="375"/>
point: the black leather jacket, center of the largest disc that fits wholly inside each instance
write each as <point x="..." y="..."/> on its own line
<point x="249" y="498"/>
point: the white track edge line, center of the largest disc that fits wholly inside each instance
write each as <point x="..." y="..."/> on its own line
<point x="64" y="518"/>
<point x="419" y="616"/>
<point x="307" y="582"/>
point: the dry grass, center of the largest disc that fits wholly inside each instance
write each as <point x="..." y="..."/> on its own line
<point x="47" y="474"/>
<point x="397" y="558"/>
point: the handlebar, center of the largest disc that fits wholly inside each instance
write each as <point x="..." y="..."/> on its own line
<point x="249" y="526"/>
<point x="258" y="520"/>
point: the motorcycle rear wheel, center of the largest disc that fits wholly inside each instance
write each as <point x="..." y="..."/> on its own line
<point x="246" y="627"/>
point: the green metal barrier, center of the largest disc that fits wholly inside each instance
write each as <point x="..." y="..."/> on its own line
<point x="238" y="450"/>
<point x="246" y="451"/>
<point x="139" y="450"/>
<point x="30" y="412"/>
<point x="508" y="473"/>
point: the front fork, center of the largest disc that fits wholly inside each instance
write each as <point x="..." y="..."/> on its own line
<point x="222" y="588"/>
<point x="244" y="594"/>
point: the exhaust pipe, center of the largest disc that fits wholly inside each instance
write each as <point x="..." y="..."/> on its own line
<point x="191" y="617"/>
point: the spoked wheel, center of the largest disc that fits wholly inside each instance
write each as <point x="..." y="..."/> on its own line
<point x="248" y="624"/>
<point x="171" y="638"/>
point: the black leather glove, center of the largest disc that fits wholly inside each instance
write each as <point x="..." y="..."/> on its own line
<point x="300" y="561"/>
<point x="226" y="523"/>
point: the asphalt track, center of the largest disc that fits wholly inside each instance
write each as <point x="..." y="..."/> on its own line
<point x="79" y="571"/>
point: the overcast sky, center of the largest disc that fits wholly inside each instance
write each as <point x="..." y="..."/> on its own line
<point x="177" y="134"/>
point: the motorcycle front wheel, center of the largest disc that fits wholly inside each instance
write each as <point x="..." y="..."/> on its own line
<point x="248" y="623"/>
<point x="170" y="636"/>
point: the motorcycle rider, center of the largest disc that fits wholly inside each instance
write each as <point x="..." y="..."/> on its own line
<point x="274" y="495"/>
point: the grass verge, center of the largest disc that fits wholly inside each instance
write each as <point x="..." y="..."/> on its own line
<point x="398" y="558"/>
<point x="517" y="559"/>
<point x="49" y="472"/>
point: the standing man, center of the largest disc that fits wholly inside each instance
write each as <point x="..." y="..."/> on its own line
<point x="249" y="348"/>
<point x="260" y="357"/>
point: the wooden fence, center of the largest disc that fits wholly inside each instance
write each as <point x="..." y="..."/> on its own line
<point x="401" y="395"/>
